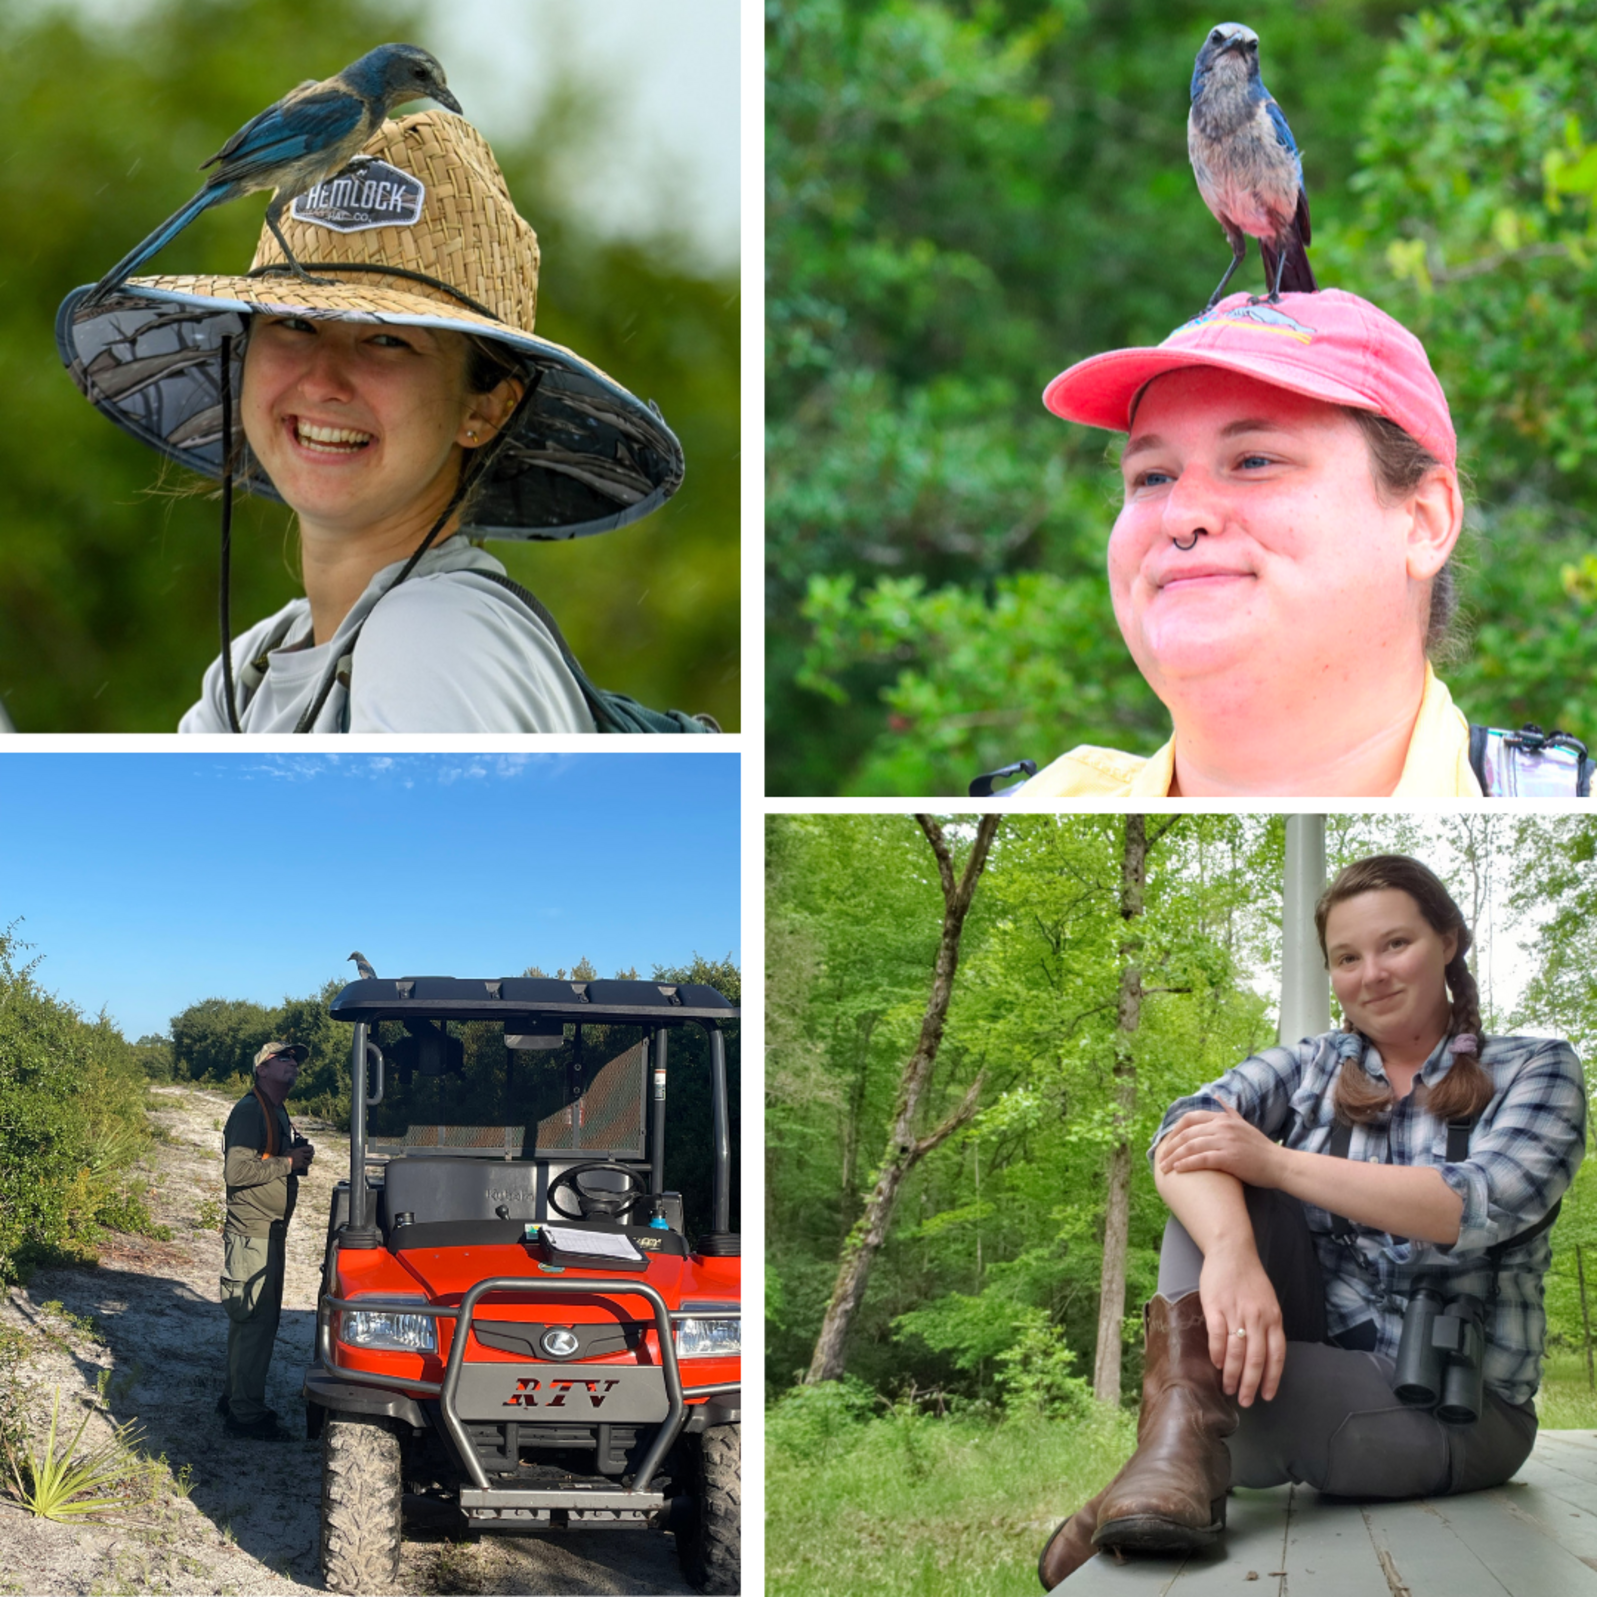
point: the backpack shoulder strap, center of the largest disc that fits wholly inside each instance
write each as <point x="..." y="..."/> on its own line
<point x="1530" y="763"/>
<point x="253" y="672"/>
<point x="1341" y="1141"/>
<point x="611" y="712"/>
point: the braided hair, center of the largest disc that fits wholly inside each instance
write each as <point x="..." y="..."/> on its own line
<point x="1467" y="1088"/>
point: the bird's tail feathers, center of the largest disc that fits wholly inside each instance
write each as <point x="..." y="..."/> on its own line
<point x="1297" y="276"/>
<point x="158" y="240"/>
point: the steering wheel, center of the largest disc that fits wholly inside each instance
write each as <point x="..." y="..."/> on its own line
<point x="597" y="1205"/>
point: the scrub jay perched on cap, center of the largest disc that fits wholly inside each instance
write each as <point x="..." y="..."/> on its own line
<point x="1246" y="162"/>
<point x="295" y="143"/>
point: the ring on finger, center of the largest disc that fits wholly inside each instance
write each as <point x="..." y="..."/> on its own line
<point x="1239" y="1332"/>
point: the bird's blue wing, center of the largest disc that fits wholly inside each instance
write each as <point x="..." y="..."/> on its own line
<point x="1283" y="134"/>
<point x="303" y="121"/>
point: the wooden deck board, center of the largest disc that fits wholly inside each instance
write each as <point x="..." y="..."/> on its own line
<point x="1535" y="1536"/>
<point x="1328" y="1549"/>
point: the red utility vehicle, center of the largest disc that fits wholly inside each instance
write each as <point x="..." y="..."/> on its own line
<point x="514" y="1317"/>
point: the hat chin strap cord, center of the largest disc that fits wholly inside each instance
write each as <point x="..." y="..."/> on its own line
<point x="227" y="530"/>
<point x="480" y="462"/>
<point x="376" y="268"/>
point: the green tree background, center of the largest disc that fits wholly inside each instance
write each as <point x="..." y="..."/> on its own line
<point x="107" y="610"/>
<point x="965" y="196"/>
<point x="72" y="1122"/>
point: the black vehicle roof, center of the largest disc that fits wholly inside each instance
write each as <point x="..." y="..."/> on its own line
<point x="645" y="1003"/>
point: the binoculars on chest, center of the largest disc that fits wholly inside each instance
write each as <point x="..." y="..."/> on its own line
<point x="1441" y="1353"/>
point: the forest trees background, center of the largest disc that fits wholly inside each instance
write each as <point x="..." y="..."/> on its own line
<point x="987" y="1287"/>
<point x="965" y="196"/>
<point x="108" y="608"/>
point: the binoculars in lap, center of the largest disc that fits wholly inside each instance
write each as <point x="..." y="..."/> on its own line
<point x="1440" y="1355"/>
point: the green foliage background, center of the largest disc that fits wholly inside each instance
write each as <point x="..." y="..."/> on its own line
<point x="965" y="196"/>
<point x="107" y="610"/>
<point x="72" y="1122"/>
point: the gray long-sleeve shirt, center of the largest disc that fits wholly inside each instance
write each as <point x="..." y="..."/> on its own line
<point x="447" y="651"/>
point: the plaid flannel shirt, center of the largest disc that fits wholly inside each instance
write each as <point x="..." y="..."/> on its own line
<point x="1523" y="1153"/>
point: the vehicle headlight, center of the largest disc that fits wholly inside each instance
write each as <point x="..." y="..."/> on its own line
<point x="405" y="1333"/>
<point x="709" y="1337"/>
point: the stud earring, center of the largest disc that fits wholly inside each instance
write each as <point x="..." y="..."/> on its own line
<point x="471" y="438"/>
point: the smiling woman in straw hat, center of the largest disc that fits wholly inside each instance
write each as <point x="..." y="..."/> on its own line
<point x="399" y="405"/>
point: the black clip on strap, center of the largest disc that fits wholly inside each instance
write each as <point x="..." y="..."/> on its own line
<point x="985" y="785"/>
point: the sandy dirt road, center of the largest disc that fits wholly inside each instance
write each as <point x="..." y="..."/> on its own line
<point x="150" y="1315"/>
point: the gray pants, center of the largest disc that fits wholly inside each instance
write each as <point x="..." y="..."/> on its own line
<point x="252" y="1294"/>
<point x="1334" y="1423"/>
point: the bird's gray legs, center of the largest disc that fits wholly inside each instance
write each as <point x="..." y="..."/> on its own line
<point x="273" y="211"/>
<point x="1239" y="251"/>
<point x="1280" y="268"/>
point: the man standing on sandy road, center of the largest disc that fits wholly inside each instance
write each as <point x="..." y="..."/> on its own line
<point x="263" y="1159"/>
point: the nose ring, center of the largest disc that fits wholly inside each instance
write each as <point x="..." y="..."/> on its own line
<point x="1197" y="533"/>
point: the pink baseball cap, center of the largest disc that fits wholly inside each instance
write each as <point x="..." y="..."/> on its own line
<point x="1331" y="345"/>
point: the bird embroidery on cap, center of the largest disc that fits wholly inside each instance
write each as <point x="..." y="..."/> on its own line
<point x="1256" y="316"/>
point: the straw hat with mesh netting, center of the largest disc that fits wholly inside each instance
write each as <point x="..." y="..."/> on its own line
<point x="419" y="230"/>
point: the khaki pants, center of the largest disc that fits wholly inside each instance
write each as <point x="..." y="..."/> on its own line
<point x="252" y="1294"/>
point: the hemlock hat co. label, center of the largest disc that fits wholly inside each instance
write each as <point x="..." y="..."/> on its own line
<point x="584" y="455"/>
<point x="366" y="193"/>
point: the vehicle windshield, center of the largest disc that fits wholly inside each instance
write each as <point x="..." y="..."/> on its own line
<point x="461" y="1088"/>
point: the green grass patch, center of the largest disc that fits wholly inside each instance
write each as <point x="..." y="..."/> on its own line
<point x="956" y="1507"/>
<point x="1566" y="1402"/>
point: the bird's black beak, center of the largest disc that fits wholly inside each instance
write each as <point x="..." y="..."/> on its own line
<point x="447" y="100"/>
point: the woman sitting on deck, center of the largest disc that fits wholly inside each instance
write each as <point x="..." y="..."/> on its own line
<point x="1314" y="1190"/>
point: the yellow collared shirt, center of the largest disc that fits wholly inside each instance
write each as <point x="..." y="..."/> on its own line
<point x="1437" y="765"/>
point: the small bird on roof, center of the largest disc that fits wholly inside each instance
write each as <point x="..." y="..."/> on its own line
<point x="297" y="142"/>
<point x="361" y="965"/>
<point x="1246" y="162"/>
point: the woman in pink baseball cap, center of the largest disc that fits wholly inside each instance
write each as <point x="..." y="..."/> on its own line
<point x="1281" y="564"/>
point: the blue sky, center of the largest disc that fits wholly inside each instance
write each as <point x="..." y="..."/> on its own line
<point x="150" y="881"/>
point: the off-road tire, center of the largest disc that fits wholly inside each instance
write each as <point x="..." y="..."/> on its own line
<point x="361" y="1498"/>
<point x="710" y="1546"/>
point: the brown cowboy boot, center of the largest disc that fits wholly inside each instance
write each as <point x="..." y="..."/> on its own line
<point x="1170" y="1496"/>
<point x="1071" y="1545"/>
